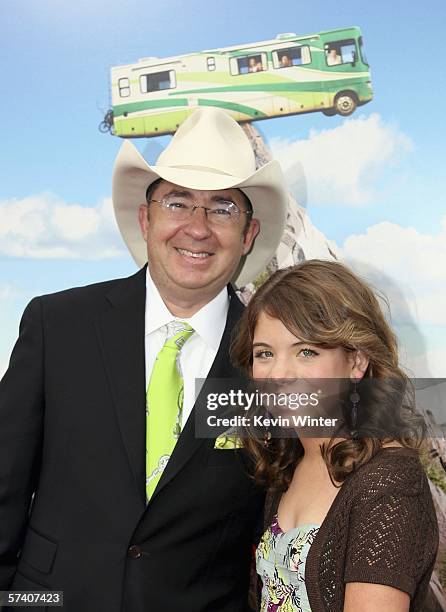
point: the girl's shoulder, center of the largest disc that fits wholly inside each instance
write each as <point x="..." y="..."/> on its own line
<point x="393" y="470"/>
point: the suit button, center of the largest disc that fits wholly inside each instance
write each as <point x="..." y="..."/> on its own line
<point x="134" y="552"/>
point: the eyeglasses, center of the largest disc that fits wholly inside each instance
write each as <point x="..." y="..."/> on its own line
<point x="219" y="212"/>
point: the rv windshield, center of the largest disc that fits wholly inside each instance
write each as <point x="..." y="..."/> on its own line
<point x="362" y="50"/>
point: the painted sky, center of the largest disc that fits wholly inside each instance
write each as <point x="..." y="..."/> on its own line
<point x="376" y="181"/>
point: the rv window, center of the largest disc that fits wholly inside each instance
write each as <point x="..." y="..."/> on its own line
<point x="250" y="63"/>
<point x="211" y="63"/>
<point x="363" y="55"/>
<point x="157" y="81"/>
<point x="293" y="56"/>
<point x="340" y="52"/>
<point x="124" y="87"/>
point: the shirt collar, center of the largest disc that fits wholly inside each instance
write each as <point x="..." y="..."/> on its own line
<point x="209" y="322"/>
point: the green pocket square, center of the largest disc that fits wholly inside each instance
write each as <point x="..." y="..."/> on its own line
<point x="228" y="441"/>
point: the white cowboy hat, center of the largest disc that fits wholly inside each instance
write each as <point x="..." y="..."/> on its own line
<point x="209" y="151"/>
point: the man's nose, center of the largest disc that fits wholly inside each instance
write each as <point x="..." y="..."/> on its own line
<point x="197" y="225"/>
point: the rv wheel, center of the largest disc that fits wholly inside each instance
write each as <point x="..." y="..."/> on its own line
<point x="345" y="104"/>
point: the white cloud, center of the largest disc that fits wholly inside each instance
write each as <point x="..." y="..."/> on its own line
<point x="431" y="364"/>
<point x="410" y="253"/>
<point x="407" y="264"/>
<point x="409" y="267"/>
<point x="430" y="308"/>
<point x="44" y="226"/>
<point x="343" y="164"/>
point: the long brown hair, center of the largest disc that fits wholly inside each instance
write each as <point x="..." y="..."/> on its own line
<point x="325" y="304"/>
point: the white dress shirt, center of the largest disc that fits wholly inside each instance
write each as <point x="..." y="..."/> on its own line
<point x="199" y="351"/>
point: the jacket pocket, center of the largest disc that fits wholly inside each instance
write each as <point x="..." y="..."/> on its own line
<point x="38" y="551"/>
<point x="21" y="582"/>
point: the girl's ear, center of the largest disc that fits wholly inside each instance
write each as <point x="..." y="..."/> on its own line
<point x="359" y="363"/>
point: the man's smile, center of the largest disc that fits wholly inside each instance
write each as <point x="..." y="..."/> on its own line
<point x="194" y="254"/>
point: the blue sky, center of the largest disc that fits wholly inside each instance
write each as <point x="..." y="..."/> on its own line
<point x="55" y="63"/>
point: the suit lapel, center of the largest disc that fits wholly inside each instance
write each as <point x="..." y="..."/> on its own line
<point x="121" y="337"/>
<point x="188" y="443"/>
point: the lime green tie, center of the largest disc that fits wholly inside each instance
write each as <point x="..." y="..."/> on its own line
<point x="164" y="407"/>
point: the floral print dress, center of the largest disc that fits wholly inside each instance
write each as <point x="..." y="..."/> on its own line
<point x="280" y="560"/>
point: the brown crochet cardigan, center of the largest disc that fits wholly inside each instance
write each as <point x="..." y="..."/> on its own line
<point x="381" y="528"/>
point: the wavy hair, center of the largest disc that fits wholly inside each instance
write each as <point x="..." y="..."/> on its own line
<point x="325" y="304"/>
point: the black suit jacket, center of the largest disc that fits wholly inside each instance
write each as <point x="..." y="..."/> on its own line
<point x="72" y="419"/>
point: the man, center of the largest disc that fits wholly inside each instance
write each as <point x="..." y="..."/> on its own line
<point x="285" y="61"/>
<point x="333" y="57"/>
<point x="132" y="512"/>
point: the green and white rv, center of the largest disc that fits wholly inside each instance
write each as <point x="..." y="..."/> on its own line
<point x="288" y="75"/>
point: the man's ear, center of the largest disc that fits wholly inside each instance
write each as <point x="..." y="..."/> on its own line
<point x="250" y="235"/>
<point x="143" y="217"/>
<point x="359" y="363"/>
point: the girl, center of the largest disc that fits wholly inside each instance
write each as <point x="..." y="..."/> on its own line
<point x="351" y="524"/>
